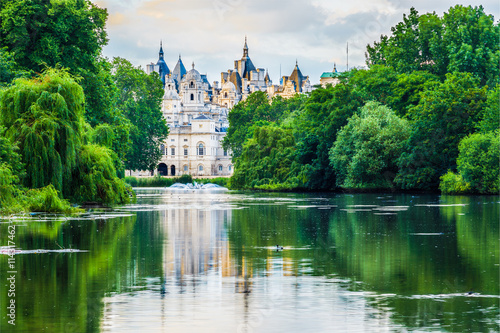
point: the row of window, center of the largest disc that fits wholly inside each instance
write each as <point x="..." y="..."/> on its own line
<point x="200" y="168"/>
<point x="200" y="150"/>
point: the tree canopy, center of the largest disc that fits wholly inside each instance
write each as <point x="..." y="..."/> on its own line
<point x="431" y="83"/>
<point x="44" y="117"/>
<point x="365" y="152"/>
<point x="139" y="98"/>
<point x="465" y="39"/>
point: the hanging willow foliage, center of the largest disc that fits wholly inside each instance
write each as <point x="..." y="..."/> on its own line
<point x="45" y="117"/>
<point x="95" y="178"/>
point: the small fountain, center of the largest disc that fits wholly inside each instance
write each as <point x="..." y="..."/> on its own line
<point x="196" y="186"/>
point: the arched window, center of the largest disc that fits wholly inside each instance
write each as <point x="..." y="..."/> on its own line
<point x="225" y="94"/>
<point x="192" y="97"/>
<point x="200" y="168"/>
<point x="220" y="168"/>
<point x="191" y="85"/>
<point x="163" y="169"/>
<point x="201" y="149"/>
<point x="185" y="168"/>
<point x="229" y="168"/>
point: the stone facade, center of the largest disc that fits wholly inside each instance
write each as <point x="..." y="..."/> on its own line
<point x="196" y="130"/>
<point x="196" y="112"/>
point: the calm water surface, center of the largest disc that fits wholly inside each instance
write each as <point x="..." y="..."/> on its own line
<point x="202" y="261"/>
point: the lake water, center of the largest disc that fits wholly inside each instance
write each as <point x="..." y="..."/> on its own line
<point x="198" y="261"/>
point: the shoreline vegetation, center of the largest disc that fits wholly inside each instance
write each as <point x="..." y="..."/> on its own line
<point x="424" y="117"/>
<point x="159" y="181"/>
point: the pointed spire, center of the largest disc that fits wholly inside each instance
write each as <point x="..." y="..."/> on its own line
<point x="161" y="49"/>
<point x="334" y="67"/>
<point x="179" y="56"/>
<point x="245" y="48"/>
<point x="296" y="63"/>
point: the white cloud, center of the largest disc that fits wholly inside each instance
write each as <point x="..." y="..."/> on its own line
<point x="211" y="33"/>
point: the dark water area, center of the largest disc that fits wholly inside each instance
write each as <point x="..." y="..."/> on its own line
<point x="208" y="261"/>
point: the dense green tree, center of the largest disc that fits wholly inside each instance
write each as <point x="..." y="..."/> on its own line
<point x="68" y="34"/>
<point x="374" y="84"/>
<point x="254" y="112"/>
<point x="410" y="46"/>
<point x="11" y="169"/>
<point x="465" y="39"/>
<point x="71" y="34"/>
<point x="94" y="179"/>
<point x="477" y="166"/>
<point x="315" y="130"/>
<point x="490" y="118"/>
<point x="266" y="160"/>
<point x="478" y="161"/>
<point x="470" y="37"/>
<point x="44" y="116"/>
<point x="139" y="98"/>
<point x="364" y="154"/>
<point x="9" y="69"/>
<point x="405" y="91"/>
<point x="445" y="114"/>
<point x="42" y="32"/>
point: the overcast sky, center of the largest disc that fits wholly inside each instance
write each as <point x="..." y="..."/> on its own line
<point x="212" y="32"/>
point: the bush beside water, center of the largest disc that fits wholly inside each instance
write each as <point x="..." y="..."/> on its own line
<point x="158" y="181"/>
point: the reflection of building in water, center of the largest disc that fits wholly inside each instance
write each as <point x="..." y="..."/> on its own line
<point x="197" y="242"/>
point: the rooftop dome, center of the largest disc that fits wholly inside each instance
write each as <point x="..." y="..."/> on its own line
<point x="193" y="74"/>
<point x="229" y="86"/>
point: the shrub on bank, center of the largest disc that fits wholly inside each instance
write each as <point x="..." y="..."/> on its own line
<point x="159" y="181"/>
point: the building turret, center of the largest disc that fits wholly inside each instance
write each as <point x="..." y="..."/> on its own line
<point x="178" y="73"/>
<point x="162" y="65"/>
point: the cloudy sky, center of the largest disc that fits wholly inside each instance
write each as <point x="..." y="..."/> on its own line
<point x="211" y="33"/>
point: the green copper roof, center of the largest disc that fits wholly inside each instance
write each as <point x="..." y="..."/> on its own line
<point x="329" y="74"/>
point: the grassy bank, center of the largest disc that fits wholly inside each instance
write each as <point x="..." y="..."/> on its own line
<point x="158" y="181"/>
<point x="45" y="199"/>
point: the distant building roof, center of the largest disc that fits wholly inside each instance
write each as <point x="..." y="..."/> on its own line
<point x="297" y="77"/>
<point x="332" y="74"/>
<point x="179" y="71"/>
<point x="202" y="117"/>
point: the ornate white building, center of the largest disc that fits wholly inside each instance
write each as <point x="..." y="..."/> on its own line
<point x="196" y="112"/>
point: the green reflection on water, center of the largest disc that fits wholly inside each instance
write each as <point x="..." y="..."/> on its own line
<point x="62" y="292"/>
<point x="419" y="256"/>
<point x="427" y="258"/>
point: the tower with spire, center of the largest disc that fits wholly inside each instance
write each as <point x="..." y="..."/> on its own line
<point x="197" y="113"/>
<point x="163" y="69"/>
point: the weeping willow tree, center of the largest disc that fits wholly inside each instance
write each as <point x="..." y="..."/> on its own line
<point x="44" y="117"/>
<point x="94" y="178"/>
